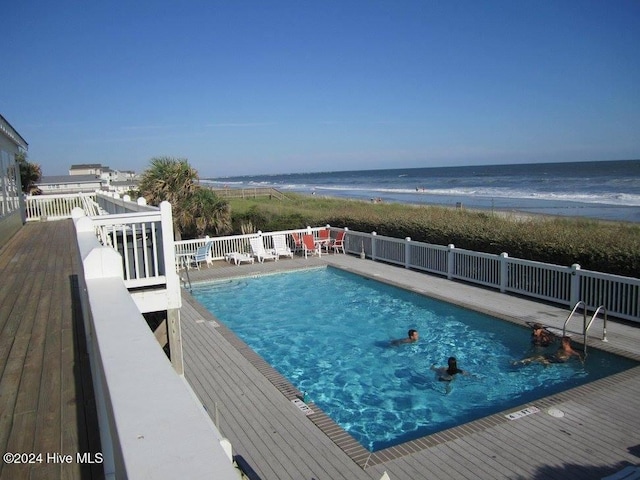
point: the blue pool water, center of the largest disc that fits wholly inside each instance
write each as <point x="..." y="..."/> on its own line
<point x="328" y="332"/>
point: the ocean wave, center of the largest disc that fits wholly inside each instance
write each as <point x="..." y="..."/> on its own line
<point x="604" y="193"/>
<point x="604" y="198"/>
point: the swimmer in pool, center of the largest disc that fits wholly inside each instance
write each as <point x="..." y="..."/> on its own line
<point x="540" y="337"/>
<point x="412" y="337"/>
<point x="447" y="374"/>
<point x="562" y="355"/>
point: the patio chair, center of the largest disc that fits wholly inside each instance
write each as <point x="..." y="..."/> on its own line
<point x="338" y="243"/>
<point x="310" y="245"/>
<point x="202" y="255"/>
<point x="280" y="247"/>
<point x="324" y="239"/>
<point x="258" y="250"/>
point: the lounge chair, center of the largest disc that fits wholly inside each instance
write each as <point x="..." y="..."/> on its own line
<point x="202" y="255"/>
<point x="258" y="250"/>
<point x="238" y="258"/>
<point x="280" y="247"/>
<point x="310" y="245"/>
<point x="338" y="243"/>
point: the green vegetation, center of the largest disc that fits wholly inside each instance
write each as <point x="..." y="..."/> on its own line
<point x="610" y="247"/>
<point x="197" y="211"/>
<point x="30" y="174"/>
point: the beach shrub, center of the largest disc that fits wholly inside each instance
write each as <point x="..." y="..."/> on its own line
<point x="611" y="247"/>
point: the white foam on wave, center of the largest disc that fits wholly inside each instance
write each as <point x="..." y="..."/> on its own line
<point x="606" y="198"/>
<point x="600" y="198"/>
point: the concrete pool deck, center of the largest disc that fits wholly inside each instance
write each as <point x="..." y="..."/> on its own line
<point x="598" y="435"/>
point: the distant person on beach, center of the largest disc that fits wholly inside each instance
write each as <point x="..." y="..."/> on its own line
<point x="540" y="337"/>
<point x="412" y="337"/>
<point x="562" y="355"/>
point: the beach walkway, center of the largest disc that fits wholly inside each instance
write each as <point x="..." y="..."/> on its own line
<point x="598" y="435"/>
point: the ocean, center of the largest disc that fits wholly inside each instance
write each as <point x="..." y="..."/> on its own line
<point x="608" y="190"/>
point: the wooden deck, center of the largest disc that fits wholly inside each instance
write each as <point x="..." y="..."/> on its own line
<point x="598" y="435"/>
<point x="46" y="396"/>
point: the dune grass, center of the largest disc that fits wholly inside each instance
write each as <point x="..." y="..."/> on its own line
<point x="612" y="247"/>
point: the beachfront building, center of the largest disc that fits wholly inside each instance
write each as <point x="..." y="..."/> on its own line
<point x="11" y="207"/>
<point x="94" y="169"/>
<point x="70" y="184"/>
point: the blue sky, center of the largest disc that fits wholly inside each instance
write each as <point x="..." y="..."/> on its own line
<point x="255" y="87"/>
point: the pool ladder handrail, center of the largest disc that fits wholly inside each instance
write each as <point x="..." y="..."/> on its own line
<point x="585" y="325"/>
<point x="187" y="281"/>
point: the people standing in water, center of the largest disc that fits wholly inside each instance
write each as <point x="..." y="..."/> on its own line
<point x="412" y="337"/>
<point x="562" y="355"/>
<point x="540" y="337"/>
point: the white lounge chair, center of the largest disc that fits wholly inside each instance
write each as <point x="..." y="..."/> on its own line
<point x="238" y="258"/>
<point x="280" y="247"/>
<point x="258" y="250"/>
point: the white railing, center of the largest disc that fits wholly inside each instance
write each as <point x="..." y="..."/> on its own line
<point x="554" y="283"/>
<point x="60" y="206"/>
<point x="57" y="207"/>
<point x="235" y="243"/>
<point x="150" y="424"/>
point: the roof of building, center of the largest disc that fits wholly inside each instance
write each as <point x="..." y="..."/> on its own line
<point x="83" y="166"/>
<point x="62" y="179"/>
<point x="12" y="134"/>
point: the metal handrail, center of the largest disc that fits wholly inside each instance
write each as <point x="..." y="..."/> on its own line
<point x="575" y="307"/>
<point x="604" y="326"/>
<point x="585" y="325"/>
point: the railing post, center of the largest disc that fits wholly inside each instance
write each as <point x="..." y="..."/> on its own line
<point x="504" y="271"/>
<point x="450" y="261"/>
<point x="574" y="295"/>
<point x="373" y="245"/>
<point x="407" y="252"/>
<point x="174" y="299"/>
<point x="141" y="201"/>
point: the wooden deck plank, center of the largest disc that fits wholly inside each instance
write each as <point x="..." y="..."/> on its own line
<point x="37" y="348"/>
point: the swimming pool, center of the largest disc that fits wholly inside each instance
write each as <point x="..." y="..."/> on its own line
<point x="328" y="332"/>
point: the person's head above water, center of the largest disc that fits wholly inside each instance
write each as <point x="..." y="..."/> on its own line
<point x="453" y="366"/>
<point x="413" y="335"/>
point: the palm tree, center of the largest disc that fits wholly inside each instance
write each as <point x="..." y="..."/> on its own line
<point x="195" y="209"/>
<point x="172" y="180"/>
<point x="207" y="213"/>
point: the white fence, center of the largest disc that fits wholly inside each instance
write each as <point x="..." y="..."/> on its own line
<point x="554" y="283"/>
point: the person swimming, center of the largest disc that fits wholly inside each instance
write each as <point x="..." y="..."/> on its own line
<point x="562" y="355"/>
<point x="540" y="337"/>
<point x="447" y="374"/>
<point x="412" y="336"/>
